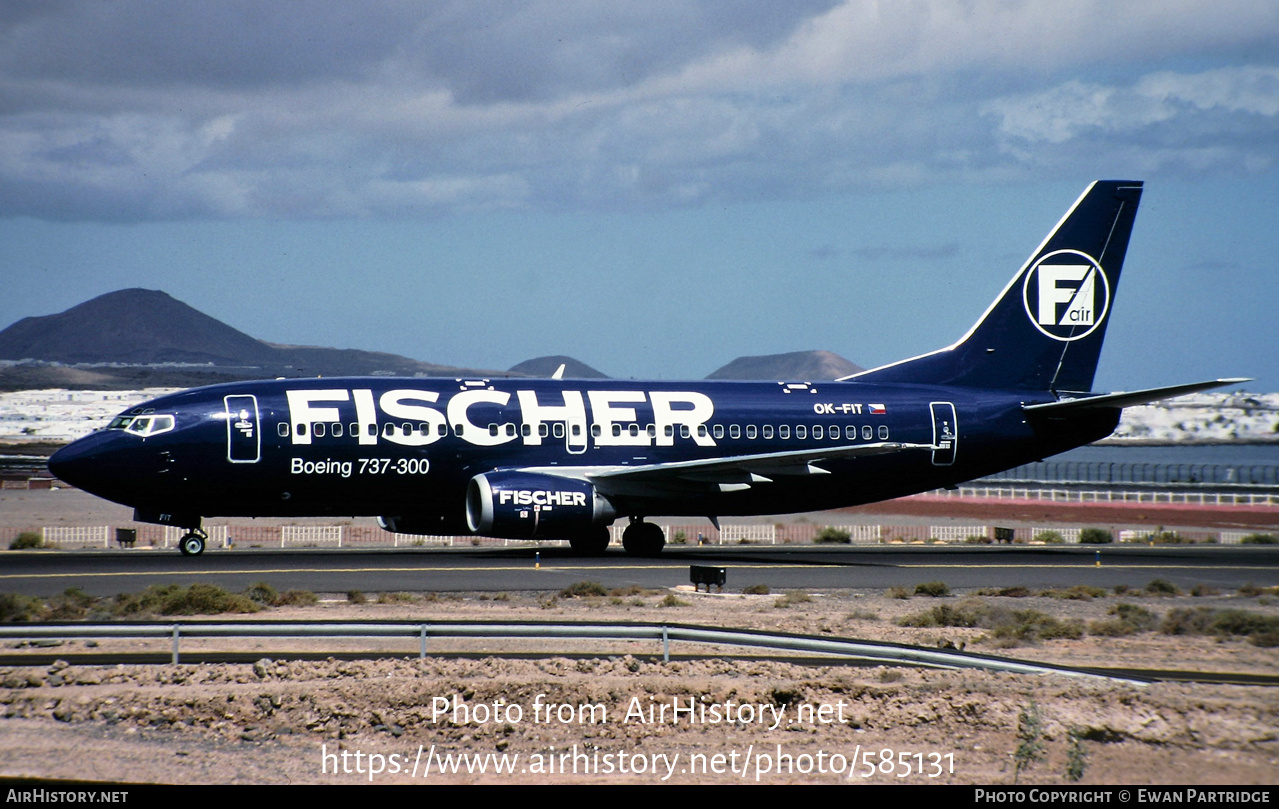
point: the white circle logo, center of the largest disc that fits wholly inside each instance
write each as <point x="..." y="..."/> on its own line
<point x="1067" y="295"/>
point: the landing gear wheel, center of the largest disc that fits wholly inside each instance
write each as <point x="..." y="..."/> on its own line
<point x="191" y="544"/>
<point x="592" y="543"/>
<point x="643" y="539"/>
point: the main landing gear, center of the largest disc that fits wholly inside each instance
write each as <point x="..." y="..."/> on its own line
<point x="592" y="543"/>
<point x="639" y="539"/>
<point x="643" y="538"/>
<point x="192" y="543"/>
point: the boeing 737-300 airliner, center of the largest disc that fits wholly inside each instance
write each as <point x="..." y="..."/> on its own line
<point x="562" y="459"/>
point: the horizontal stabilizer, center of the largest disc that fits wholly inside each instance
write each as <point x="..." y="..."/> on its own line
<point x="1137" y="397"/>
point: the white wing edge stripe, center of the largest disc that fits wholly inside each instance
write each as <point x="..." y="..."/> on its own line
<point x="797" y="457"/>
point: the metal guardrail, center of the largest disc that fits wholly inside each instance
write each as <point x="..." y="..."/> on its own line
<point x="1069" y="493"/>
<point x="880" y="652"/>
<point x="1202" y="476"/>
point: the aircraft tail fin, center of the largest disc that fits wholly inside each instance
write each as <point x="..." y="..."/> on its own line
<point x="1044" y="332"/>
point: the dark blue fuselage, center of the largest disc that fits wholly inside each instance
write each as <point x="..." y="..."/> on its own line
<point x="409" y="447"/>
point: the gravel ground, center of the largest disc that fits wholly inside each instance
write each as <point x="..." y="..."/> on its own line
<point x="289" y="721"/>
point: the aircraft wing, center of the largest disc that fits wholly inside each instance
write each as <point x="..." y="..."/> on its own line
<point x="726" y="474"/>
<point x="1137" y="397"/>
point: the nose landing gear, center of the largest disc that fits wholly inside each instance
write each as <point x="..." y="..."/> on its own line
<point x="192" y="543"/>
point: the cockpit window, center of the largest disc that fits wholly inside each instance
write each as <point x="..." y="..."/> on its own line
<point x="142" y="425"/>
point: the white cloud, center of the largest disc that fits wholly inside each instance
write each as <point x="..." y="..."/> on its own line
<point x="1225" y="118"/>
<point x="1073" y="108"/>
<point x="868" y="40"/>
<point x="323" y="112"/>
<point x="1241" y="89"/>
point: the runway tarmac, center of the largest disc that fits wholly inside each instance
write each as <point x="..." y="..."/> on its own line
<point x="104" y="573"/>
<point x="496" y="569"/>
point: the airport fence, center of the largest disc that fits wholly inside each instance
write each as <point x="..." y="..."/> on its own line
<point x="356" y="536"/>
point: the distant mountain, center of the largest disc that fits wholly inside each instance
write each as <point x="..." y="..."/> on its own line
<point x="138" y="326"/>
<point x="143" y="327"/>
<point x="157" y="340"/>
<point x="797" y="366"/>
<point x="545" y="366"/>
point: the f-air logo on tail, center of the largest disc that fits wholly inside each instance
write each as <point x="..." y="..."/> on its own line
<point x="1067" y="295"/>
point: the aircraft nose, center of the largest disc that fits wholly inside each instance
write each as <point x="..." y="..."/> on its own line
<point x="89" y="463"/>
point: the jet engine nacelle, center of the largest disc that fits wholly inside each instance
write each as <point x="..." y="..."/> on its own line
<point x="522" y="505"/>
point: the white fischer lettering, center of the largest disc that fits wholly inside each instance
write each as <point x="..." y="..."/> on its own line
<point x="539" y="497"/>
<point x="303" y="412"/>
<point x="486" y="417"/>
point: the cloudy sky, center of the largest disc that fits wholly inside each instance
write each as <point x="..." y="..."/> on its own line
<point x="654" y="188"/>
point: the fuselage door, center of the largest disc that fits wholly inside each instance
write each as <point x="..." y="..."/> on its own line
<point x="945" y="433"/>
<point x="243" y="429"/>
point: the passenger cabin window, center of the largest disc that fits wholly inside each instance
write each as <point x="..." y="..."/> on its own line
<point x="768" y="431"/>
<point x="718" y="430"/>
<point x="783" y="431"/>
<point x="850" y="432"/>
<point x="750" y="430"/>
<point x="801" y="431"/>
<point x="282" y="429"/>
<point x="337" y="429"/>
<point x="883" y="432"/>
<point x="867" y="433"/>
<point x="734" y="431"/>
<point x="817" y="431"/>
<point x="559" y="429"/>
<point x="302" y="429"/>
